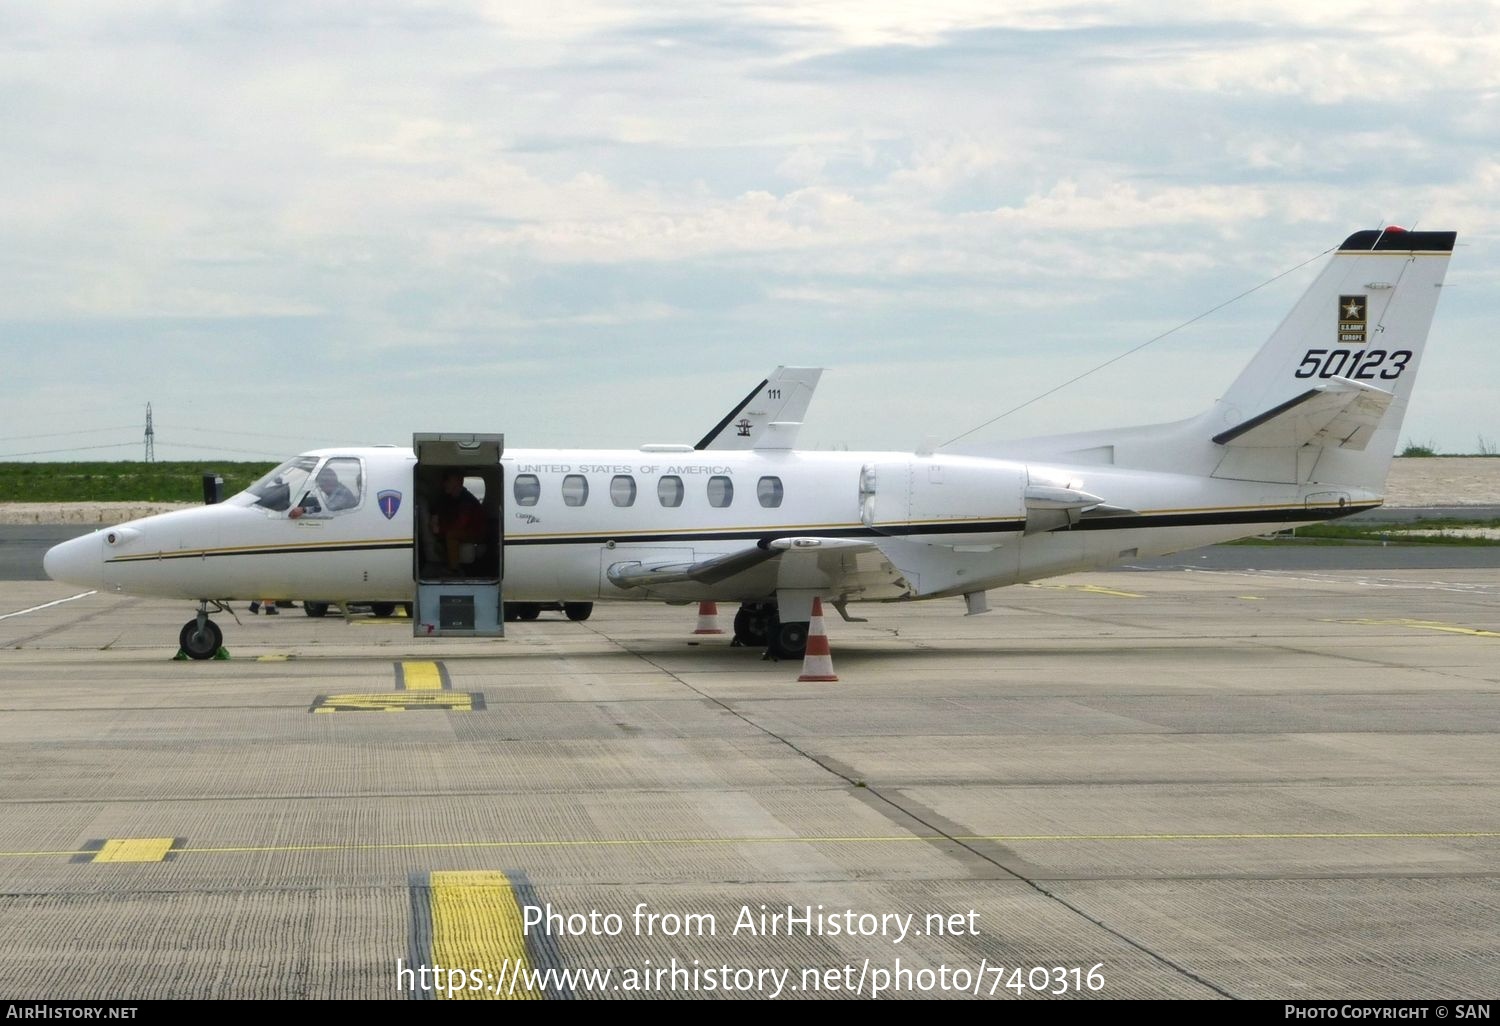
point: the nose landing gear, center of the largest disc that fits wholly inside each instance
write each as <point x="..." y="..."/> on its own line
<point x="201" y="638"/>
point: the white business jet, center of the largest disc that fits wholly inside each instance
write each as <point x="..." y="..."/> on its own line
<point x="1304" y="434"/>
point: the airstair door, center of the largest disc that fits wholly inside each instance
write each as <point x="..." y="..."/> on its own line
<point x="458" y="543"/>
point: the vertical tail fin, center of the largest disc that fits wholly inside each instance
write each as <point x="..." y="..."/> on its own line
<point x="770" y="416"/>
<point x="1334" y="379"/>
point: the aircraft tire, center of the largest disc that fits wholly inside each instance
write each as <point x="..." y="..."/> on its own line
<point x="578" y="610"/>
<point x="383" y="608"/>
<point x="315" y="608"/>
<point x="527" y="610"/>
<point x="754" y="623"/>
<point x="789" y="641"/>
<point x="203" y="644"/>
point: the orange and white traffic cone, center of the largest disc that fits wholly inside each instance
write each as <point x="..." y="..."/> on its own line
<point x="708" y="618"/>
<point x="817" y="664"/>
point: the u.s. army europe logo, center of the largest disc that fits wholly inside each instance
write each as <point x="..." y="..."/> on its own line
<point x="1351" y="319"/>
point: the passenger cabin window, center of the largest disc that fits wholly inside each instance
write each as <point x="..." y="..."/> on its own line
<point x="622" y="490"/>
<point x="575" y="490"/>
<point x="336" y="488"/>
<point x="527" y="489"/>
<point x="669" y="490"/>
<point x="768" y="490"/>
<point x="720" y="492"/>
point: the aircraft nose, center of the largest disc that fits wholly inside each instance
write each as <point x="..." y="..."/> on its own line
<point x="77" y="561"/>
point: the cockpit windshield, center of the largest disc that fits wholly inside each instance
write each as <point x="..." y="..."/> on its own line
<point x="276" y="490"/>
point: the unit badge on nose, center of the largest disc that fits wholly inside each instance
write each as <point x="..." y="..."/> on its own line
<point x="390" y="501"/>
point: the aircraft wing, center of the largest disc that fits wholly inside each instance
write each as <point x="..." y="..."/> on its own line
<point x="722" y="567"/>
<point x="770" y="416"/>
<point x="1342" y="413"/>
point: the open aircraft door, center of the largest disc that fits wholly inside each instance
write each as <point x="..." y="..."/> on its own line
<point x="458" y="548"/>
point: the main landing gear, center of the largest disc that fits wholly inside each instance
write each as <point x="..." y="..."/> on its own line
<point x="758" y="624"/>
<point x="575" y="611"/>
<point x="201" y="638"/>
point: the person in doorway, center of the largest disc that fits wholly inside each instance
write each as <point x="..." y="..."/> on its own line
<point x="457" y="519"/>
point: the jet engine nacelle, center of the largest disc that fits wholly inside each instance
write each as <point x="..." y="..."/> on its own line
<point x="952" y="501"/>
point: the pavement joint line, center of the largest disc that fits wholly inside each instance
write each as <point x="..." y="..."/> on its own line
<point x="642" y="842"/>
<point x="1029" y="881"/>
<point x="48" y="605"/>
<point x="1145" y="948"/>
<point x="476" y="923"/>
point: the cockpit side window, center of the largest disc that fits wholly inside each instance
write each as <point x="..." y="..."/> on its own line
<point x="338" y="487"/>
<point x="276" y="490"/>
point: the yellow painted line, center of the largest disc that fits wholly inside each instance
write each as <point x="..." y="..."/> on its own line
<point x="1092" y="589"/>
<point x="660" y="842"/>
<point x="272" y="658"/>
<point x="135" y="849"/>
<point x="1424" y="625"/>
<point x="476" y="925"/>
<point x="399" y="701"/>
<point x="419" y="676"/>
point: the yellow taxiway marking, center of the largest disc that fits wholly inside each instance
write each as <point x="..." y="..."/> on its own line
<point x="419" y="676"/>
<point x="1424" y="625"/>
<point x="1092" y="589"/>
<point x="272" y="658"/>
<point x="135" y="849"/>
<point x="399" y="701"/>
<point x="660" y="842"/>
<point x="476" y="923"/>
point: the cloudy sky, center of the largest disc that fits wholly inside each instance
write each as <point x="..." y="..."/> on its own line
<point x="292" y="224"/>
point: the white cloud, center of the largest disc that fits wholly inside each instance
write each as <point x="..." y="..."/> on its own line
<point x="623" y="188"/>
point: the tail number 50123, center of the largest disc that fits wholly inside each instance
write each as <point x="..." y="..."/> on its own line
<point x="1349" y="363"/>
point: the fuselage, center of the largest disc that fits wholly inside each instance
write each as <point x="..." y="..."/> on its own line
<point x="938" y="525"/>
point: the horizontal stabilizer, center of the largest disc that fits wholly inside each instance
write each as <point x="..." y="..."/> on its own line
<point x="1106" y="510"/>
<point x="1053" y="497"/>
<point x="1342" y="413"/>
<point x="1056" y="508"/>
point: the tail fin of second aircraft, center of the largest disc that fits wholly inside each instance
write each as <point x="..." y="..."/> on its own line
<point x="770" y="416"/>
<point x="1332" y="383"/>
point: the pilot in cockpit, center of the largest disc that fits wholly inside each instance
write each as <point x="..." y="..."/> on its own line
<point x="330" y="496"/>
